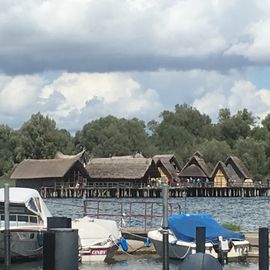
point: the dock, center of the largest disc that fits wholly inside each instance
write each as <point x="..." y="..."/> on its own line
<point x="122" y="191"/>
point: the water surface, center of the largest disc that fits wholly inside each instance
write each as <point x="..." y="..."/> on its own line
<point x="249" y="213"/>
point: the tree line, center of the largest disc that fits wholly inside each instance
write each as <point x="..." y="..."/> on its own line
<point x="181" y="132"/>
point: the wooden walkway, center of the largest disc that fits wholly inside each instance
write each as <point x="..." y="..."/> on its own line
<point x="152" y="192"/>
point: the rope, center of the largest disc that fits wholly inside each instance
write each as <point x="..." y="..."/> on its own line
<point x="181" y="257"/>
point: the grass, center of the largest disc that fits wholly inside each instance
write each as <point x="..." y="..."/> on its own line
<point x="232" y="227"/>
<point x="5" y="179"/>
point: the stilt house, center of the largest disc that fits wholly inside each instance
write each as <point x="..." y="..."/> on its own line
<point x="168" y="167"/>
<point x="223" y="176"/>
<point x="50" y="173"/>
<point x="126" y="170"/>
<point x="196" y="171"/>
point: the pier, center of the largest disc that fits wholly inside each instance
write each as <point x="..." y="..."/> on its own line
<point x="126" y="190"/>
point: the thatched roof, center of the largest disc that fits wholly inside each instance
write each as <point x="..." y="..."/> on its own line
<point x="192" y="171"/>
<point x="228" y="172"/>
<point x="81" y="156"/>
<point x="44" y="168"/>
<point x="239" y="166"/>
<point x="198" y="161"/>
<point x="168" y="161"/>
<point x="166" y="156"/>
<point x="127" y="167"/>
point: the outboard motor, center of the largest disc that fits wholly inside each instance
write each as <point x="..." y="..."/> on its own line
<point x="223" y="250"/>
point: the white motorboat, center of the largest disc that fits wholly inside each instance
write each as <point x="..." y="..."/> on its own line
<point x="99" y="238"/>
<point x="182" y="238"/>
<point x="28" y="220"/>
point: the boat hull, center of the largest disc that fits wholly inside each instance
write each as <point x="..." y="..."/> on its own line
<point x="181" y="249"/>
<point x="23" y="245"/>
<point x="98" y="253"/>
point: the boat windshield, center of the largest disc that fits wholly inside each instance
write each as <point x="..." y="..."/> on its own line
<point x="20" y="215"/>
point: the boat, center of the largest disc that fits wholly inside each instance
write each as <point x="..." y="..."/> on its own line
<point x="99" y="239"/>
<point x="182" y="238"/>
<point x="28" y="220"/>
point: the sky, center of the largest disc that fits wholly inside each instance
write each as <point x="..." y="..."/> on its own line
<point x="79" y="60"/>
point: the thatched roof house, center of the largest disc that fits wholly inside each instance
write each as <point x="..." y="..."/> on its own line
<point x="224" y="176"/>
<point x="168" y="166"/>
<point x="196" y="167"/>
<point x="233" y="163"/>
<point x="36" y="173"/>
<point x="130" y="169"/>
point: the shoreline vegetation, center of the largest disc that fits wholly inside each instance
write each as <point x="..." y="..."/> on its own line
<point x="181" y="132"/>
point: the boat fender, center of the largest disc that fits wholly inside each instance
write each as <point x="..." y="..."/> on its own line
<point x="124" y="244"/>
<point x="147" y="242"/>
<point x="40" y="239"/>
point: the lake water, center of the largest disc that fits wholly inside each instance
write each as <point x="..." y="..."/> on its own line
<point x="249" y="213"/>
<point x="133" y="263"/>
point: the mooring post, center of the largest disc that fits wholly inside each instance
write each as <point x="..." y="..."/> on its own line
<point x="165" y="227"/>
<point x="7" y="229"/>
<point x="84" y="204"/>
<point x="60" y="246"/>
<point x="263" y="249"/>
<point x="200" y="239"/>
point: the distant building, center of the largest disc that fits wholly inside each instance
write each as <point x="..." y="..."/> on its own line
<point x="34" y="173"/>
<point x="168" y="167"/>
<point x="137" y="171"/>
<point x="234" y="163"/>
<point x="223" y="176"/>
<point x="196" y="170"/>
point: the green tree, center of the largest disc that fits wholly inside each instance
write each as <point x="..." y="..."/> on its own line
<point x="214" y="151"/>
<point x="180" y="131"/>
<point x="254" y="154"/>
<point x="230" y="128"/>
<point x="7" y="146"/>
<point x="39" y="138"/>
<point x="266" y="122"/>
<point x="110" y="136"/>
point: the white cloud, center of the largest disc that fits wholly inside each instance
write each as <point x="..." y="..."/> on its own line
<point x="126" y="95"/>
<point x="18" y="93"/>
<point x="256" y="48"/>
<point x="243" y="94"/>
<point x="84" y="96"/>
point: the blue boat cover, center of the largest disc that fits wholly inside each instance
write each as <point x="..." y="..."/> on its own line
<point x="184" y="228"/>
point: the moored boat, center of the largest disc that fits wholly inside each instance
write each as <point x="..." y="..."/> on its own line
<point x="218" y="240"/>
<point x="28" y="220"/>
<point x="99" y="238"/>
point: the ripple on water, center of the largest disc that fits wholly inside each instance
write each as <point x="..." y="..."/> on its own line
<point x="249" y="213"/>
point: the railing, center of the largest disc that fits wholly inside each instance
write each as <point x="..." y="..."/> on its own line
<point x="114" y="185"/>
<point x="127" y="185"/>
<point x="99" y="185"/>
<point x="20" y="220"/>
<point x="144" y="214"/>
